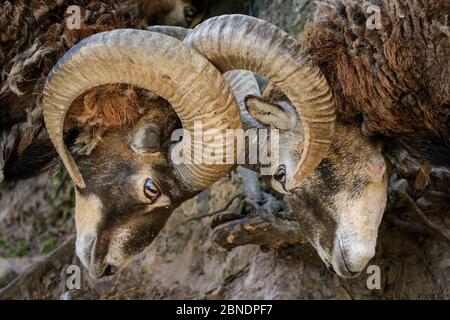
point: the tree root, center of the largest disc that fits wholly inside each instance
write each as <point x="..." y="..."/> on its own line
<point x="445" y="233"/>
<point x="265" y="230"/>
<point x="412" y="227"/>
<point x="210" y="214"/>
<point x="259" y="218"/>
<point x="401" y="187"/>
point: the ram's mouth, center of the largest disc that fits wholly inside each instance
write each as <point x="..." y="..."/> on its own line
<point x="100" y="269"/>
<point x="336" y="261"/>
<point x="86" y="253"/>
<point x="84" y="248"/>
<point x="343" y="268"/>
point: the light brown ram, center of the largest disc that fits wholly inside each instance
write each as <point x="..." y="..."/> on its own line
<point x="390" y="89"/>
<point x="392" y="104"/>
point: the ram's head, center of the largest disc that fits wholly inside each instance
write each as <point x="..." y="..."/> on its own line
<point x="129" y="184"/>
<point x="341" y="203"/>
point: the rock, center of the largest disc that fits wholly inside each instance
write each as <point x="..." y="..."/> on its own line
<point x="289" y="15"/>
<point x="7" y="273"/>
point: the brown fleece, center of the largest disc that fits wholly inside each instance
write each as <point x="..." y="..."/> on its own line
<point x="396" y="79"/>
<point x="33" y="36"/>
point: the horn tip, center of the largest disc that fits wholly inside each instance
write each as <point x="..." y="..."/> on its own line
<point x="79" y="182"/>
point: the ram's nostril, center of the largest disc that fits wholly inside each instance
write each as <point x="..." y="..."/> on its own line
<point x="330" y="268"/>
<point x="109" y="270"/>
<point x="280" y="174"/>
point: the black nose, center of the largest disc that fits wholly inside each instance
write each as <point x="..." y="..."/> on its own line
<point x="109" y="270"/>
<point x="352" y="274"/>
<point x="280" y="174"/>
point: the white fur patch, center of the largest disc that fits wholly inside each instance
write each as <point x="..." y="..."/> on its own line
<point x="358" y="221"/>
<point x="88" y="212"/>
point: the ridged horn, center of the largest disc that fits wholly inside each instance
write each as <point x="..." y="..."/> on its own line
<point x="241" y="42"/>
<point x="156" y="62"/>
<point x="242" y="82"/>
<point x="176" y="32"/>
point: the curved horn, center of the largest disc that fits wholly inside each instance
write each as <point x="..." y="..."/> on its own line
<point x="243" y="42"/>
<point x="154" y="62"/>
<point x="242" y="82"/>
<point x="176" y="32"/>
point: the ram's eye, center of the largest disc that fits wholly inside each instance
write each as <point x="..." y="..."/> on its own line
<point x="190" y="13"/>
<point x="151" y="190"/>
<point x="280" y="174"/>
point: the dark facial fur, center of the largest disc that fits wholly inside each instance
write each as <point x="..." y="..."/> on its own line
<point x="340" y="205"/>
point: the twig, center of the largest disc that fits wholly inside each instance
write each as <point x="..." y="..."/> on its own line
<point x="409" y="226"/>
<point x="210" y="214"/>
<point x="241" y="272"/>
<point x="423" y="218"/>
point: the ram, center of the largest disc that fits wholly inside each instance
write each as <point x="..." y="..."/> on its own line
<point x="339" y="206"/>
<point x="392" y="103"/>
<point x="124" y="114"/>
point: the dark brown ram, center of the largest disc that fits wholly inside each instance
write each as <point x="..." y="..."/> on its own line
<point x="391" y="89"/>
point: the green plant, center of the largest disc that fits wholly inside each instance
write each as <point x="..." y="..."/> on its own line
<point x="13" y="248"/>
<point x="49" y="245"/>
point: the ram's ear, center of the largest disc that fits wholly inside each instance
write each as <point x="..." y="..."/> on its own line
<point x="146" y="138"/>
<point x="270" y="114"/>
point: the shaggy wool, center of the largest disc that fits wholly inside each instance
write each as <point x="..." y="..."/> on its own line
<point x="395" y="79"/>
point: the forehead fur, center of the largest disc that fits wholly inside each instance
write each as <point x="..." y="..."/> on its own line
<point x="122" y="108"/>
<point x="113" y="162"/>
<point x="273" y="94"/>
<point x="351" y="152"/>
<point x="115" y="106"/>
